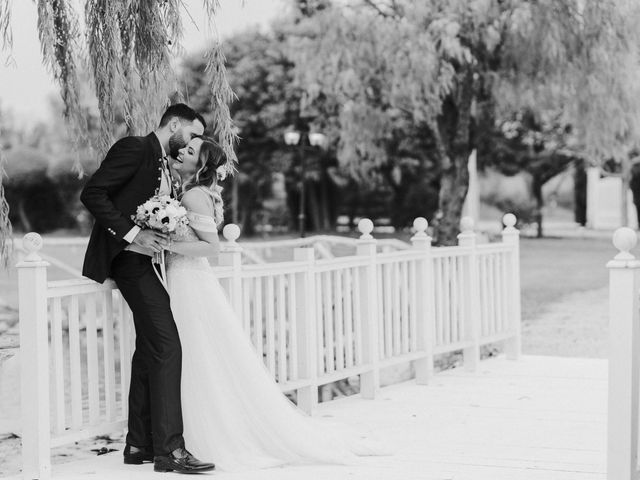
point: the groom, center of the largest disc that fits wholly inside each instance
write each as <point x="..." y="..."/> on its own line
<point x="135" y="169"/>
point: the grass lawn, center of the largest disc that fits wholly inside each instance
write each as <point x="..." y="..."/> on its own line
<point x="552" y="268"/>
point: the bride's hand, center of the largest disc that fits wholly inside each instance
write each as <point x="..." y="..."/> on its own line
<point x="151" y="239"/>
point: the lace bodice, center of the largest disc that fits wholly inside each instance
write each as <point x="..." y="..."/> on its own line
<point x="198" y="222"/>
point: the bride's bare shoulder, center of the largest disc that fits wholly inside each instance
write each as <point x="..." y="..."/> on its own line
<point x="196" y="200"/>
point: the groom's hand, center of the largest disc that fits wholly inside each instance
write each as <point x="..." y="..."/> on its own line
<point x="156" y="241"/>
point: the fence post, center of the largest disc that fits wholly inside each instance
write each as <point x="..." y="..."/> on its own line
<point x="511" y="236"/>
<point x="368" y="278"/>
<point x="306" y="328"/>
<point x="34" y="361"/>
<point x="425" y="301"/>
<point x="231" y="255"/>
<point x="467" y="238"/>
<point x="622" y="431"/>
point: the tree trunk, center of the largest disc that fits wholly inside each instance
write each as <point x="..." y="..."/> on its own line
<point x="327" y="221"/>
<point x="24" y="219"/>
<point x="626" y="180"/>
<point x="580" y="193"/>
<point x="537" y="195"/>
<point x="454" y="184"/>
<point x="452" y="136"/>
<point x="313" y="208"/>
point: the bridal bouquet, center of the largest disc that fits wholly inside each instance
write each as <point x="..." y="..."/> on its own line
<point x="163" y="214"/>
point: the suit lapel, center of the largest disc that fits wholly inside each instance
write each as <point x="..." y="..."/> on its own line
<point x="153" y="141"/>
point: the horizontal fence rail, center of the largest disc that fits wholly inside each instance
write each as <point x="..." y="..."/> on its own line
<point x="312" y="321"/>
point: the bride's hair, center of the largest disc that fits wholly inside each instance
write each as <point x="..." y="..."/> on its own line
<point x="211" y="157"/>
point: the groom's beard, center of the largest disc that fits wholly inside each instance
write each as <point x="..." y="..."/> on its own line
<point x="176" y="142"/>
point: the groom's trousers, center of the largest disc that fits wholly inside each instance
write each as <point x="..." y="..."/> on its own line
<point x="155" y="409"/>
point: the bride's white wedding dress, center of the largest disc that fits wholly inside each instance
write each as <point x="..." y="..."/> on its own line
<point x="234" y="413"/>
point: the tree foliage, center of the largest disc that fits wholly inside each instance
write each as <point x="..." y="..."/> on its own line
<point x="444" y="64"/>
<point x="128" y="46"/>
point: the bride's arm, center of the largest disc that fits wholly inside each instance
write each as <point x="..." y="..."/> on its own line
<point x="208" y="244"/>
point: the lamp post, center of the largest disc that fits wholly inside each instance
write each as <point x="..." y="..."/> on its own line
<point x="299" y="139"/>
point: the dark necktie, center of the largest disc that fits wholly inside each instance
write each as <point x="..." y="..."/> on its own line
<point x="168" y="175"/>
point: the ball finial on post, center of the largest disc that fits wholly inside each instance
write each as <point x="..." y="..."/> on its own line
<point x="624" y="239"/>
<point x="231" y="232"/>
<point x="509" y="220"/>
<point x="32" y="243"/>
<point x="420" y="225"/>
<point x="365" y="226"/>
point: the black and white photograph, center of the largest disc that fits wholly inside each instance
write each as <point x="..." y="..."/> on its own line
<point x="320" y="239"/>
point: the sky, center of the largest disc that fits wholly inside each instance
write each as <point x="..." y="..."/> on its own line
<point x="25" y="84"/>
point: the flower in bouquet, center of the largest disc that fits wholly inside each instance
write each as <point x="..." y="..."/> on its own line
<point x="162" y="213"/>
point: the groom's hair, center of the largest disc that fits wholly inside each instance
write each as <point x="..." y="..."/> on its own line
<point x="183" y="112"/>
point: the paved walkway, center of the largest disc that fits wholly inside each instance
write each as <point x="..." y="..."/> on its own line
<point x="541" y="418"/>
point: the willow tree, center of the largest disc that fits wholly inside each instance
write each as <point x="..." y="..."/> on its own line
<point x="128" y="47"/>
<point x="445" y="64"/>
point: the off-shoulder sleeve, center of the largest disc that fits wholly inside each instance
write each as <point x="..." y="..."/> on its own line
<point x="202" y="223"/>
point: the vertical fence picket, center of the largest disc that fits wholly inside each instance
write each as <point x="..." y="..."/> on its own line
<point x="413" y="305"/>
<point x="258" y="331"/>
<point x="381" y="308"/>
<point x="455" y="310"/>
<point x="292" y="322"/>
<point x="504" y="296"/>
<point x="387" y="316"/>
<point x="439" y="291"/>
<point x="357" y="317"/>
<point x="109" y="357"/>
<point x="270" y="328"/>
<point x="404" y="316"/>
<point x="446" y="298"/>
<point x="329" y="341"/>
<point x="58" y="365"/>
<point x="246" y="306"/>
<point x="123" y="343"/>
<point x="339" y="318"/>
<point x="93" y="372"/>
<point x="281" y="330"/>
<point x="397" y="311"/>
<point x="75" y="370"/>
<point x="347" y="294"/>
<point x="320" y="334"/>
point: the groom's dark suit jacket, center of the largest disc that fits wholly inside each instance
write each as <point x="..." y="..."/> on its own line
<point x="128" y="176"/>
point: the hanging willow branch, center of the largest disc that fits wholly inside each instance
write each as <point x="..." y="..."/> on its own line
<point x="221" y="98"/>
<point x="6" y="35"/>
<point x="5" y="225"/>
<point x="157" y="40"/>
<point x="103" y="36"/>
<point x="221" y="94"/>
<point x="58" y="31"/>
<point x="6" y="242"/>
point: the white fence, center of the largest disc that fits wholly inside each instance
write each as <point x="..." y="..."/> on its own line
<point x="313" y="321"/>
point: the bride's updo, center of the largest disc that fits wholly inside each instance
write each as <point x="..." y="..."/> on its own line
<point x="210" y="159"/>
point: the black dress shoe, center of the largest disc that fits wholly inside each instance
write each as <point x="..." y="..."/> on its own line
<point x="137" y="455"/>
<point x="181" y="461"/>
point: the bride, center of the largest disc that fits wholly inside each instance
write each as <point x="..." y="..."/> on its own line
<point x="233" y="410"/>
